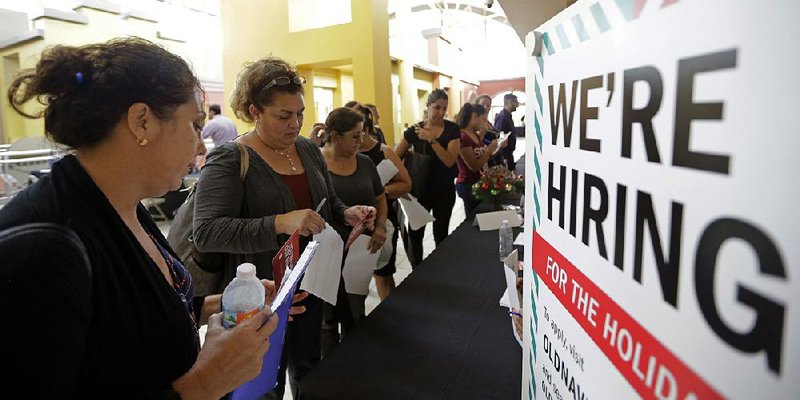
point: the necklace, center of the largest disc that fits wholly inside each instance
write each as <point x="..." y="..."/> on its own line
<point x="284" y="152"/>
<point x="340" y="164"/>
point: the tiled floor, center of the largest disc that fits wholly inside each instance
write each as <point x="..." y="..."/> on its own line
<point x="403" y="266"/>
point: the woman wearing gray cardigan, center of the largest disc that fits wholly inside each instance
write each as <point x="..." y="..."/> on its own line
<point x="287" y="178"/>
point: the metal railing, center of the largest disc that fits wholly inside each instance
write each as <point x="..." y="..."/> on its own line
<point x="16" y="168"/>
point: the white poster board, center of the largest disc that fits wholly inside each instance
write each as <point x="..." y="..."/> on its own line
<point x="661" y="184"/>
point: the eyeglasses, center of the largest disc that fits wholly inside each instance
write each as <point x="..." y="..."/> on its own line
<point x="359" y="135"/>
<point x="285" y="80"/>
<point x="355" y="136"/>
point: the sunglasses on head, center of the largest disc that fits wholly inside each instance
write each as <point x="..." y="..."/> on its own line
<point x="285" y="80"/>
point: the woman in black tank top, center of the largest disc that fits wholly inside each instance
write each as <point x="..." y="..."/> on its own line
<point x="398" y="186"/>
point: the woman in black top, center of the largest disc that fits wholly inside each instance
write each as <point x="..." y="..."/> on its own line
<point x="397" y="187"/>
<point x="440" y="138"/>
<point x="127" y="326"/>
<point x="356" y="181"/>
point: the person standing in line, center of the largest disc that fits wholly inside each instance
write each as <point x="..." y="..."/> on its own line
<point x="486" y="102"/>
<point x="220" y="129"/>
<point x="127" y="326"/>
<point x="503" y="122"/>
<point x="286" y="180"/>
<point x="473" y="154"/>
<point x="491" y="134"/>
<point x="355" y="179"/>
<point x="439" y="138"/>
<point x="377" y="131"/>
<point x="397" y="187"/>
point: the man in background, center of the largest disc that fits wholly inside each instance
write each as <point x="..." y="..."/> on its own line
<point x="219" y="128"/>
<point x="503" y="122"/>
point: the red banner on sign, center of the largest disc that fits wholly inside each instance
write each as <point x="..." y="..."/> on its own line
<point x="651" y="368"/>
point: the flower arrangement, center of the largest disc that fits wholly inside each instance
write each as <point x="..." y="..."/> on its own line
<point x="497" y="181"/>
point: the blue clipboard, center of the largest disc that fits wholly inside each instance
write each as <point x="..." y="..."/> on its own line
<point x="268" y="377"/>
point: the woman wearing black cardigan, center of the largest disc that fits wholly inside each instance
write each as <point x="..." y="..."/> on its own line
<point x="127" y="326"/>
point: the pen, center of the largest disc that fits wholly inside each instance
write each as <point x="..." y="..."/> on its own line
<point x="514" y="313"/>
<point x="321" y="203"/>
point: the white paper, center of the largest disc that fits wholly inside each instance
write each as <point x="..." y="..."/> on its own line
<point x="516" y="335"/>
<point x="492" y="220"/>
<point x="388" y="247"/>
<point x="500" y="140"/>
<point x="511" y="295"/>
<point x="520" y="240"/>
<point x="386" y="170"/>
<point x="416" y="215"/>
<point x="290" y="279"/>
<point x="504" y="300"/>
<point x="510" y="270"/>
<point x="359" y="266"/>
<point x="325" y="271"/>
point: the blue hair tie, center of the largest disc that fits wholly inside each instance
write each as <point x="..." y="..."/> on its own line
<point x="79" y="78"/>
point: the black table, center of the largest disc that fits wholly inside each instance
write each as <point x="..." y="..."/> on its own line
<point x="440" y="335"/>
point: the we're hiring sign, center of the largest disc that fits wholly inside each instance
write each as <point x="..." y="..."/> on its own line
<point x="660" y="175"/>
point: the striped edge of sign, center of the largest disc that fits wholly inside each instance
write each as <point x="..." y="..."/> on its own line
<point x="630" y="10"/>
<point x="538" y="112"/>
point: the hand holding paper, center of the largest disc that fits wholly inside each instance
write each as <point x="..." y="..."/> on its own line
<point x="386" y="170"/>
<point x="501" y="142"/>
<point x="415" y="214"/>
<point x="360" y="214"/>
<point x="354" y="233"/>
<point x="359" y="266"/>
<point x="324" y="272"/>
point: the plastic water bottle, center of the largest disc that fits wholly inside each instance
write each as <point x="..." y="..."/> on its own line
<point x="506" y="240"/>
<point x="243" y="297"/>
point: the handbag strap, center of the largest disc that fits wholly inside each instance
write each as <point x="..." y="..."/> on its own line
<point x="244" y="160"/>
<point x="244" y="165"/>
<point x="425" y="145"/>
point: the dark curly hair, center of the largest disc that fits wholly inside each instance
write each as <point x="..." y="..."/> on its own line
<point x="86" y="90"/>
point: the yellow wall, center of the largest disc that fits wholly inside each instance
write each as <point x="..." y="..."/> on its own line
<point x="346" y="87"/>
<point x="102" y="26"/>
<point x="16" y="127"/>
<point x="255" y="28"/>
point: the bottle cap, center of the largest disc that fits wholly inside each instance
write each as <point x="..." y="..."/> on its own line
<point x="246" y="270"/>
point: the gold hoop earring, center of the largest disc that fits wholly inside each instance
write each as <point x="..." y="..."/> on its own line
<point x="142" y="141"/>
